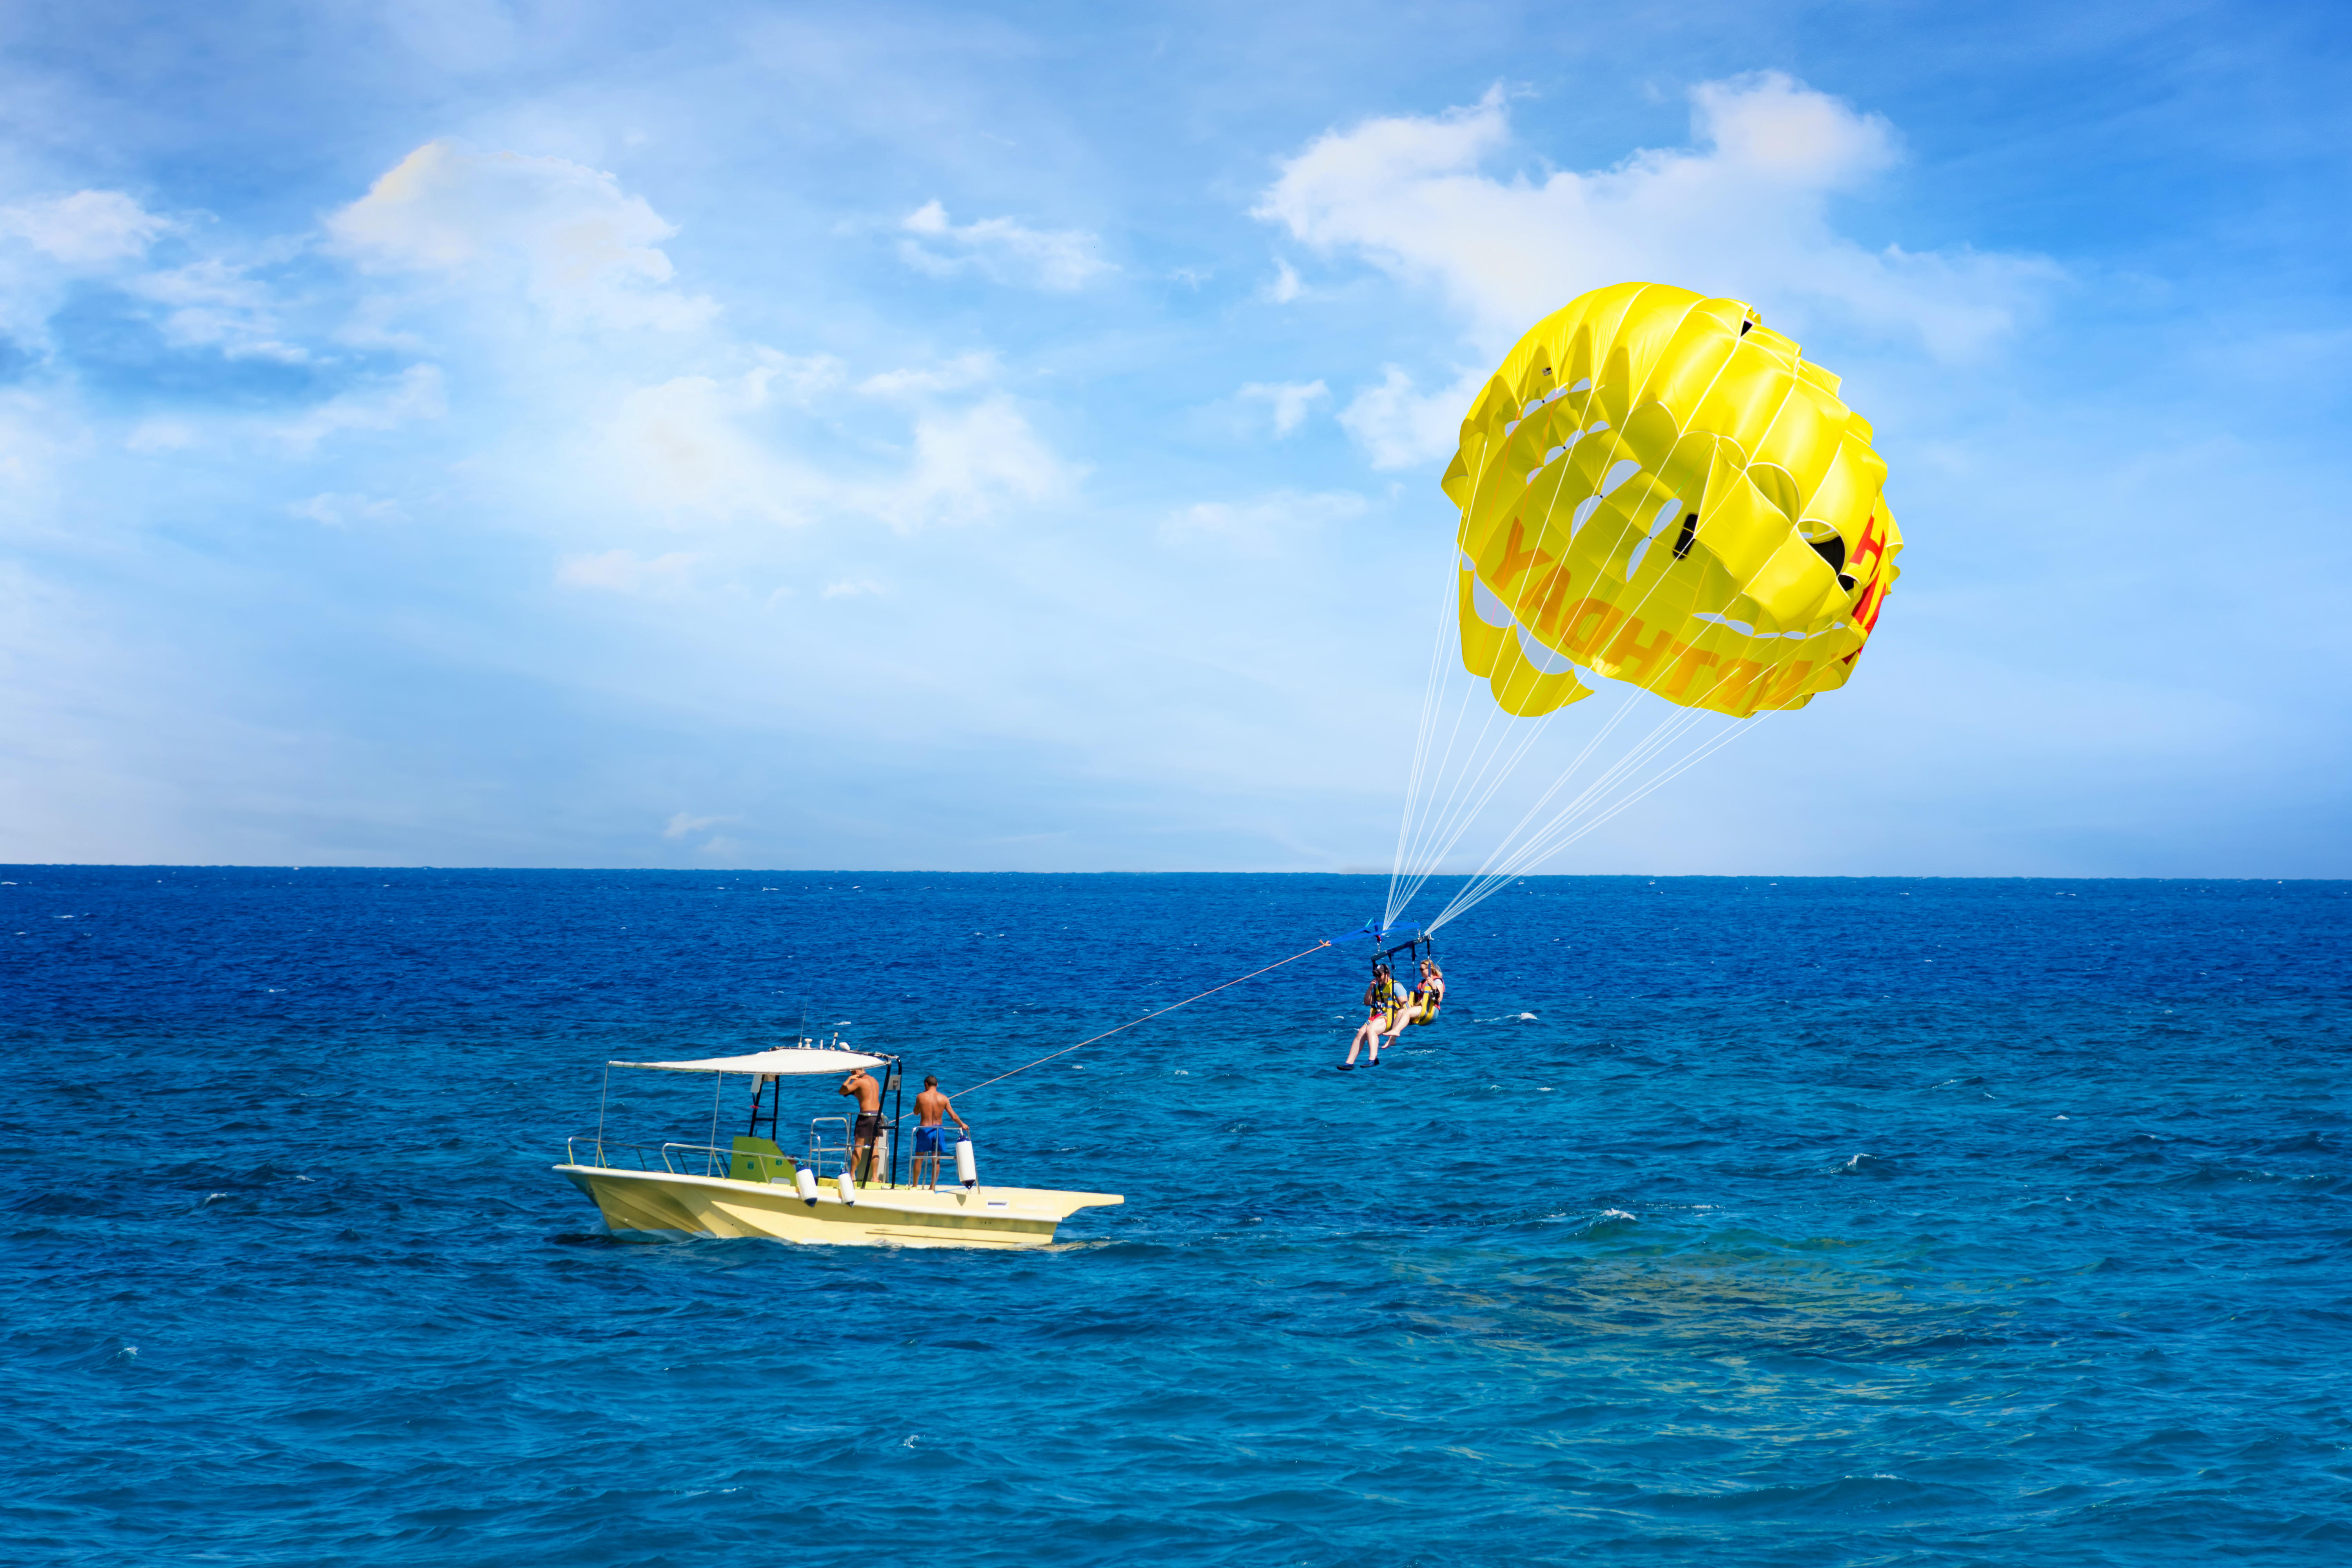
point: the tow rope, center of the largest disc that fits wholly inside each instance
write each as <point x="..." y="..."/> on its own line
<point x="1131" y="1023"/>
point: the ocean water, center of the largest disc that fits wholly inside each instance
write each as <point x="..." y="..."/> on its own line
<point x="1729" y="1221"/>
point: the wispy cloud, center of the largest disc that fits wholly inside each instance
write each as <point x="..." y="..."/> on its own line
<point x="384" y="404"/>
<point x="349" y="511"/>
<point x="624" y="571"/>
<point x="1002" y="248"/>
<point x="956" y="374"/>
<point x="589" y="250"/>
<point x="1289" y="400"/>
<point x="1744" y="212"/>
<point x="85" y="228"/>
<point x="1263" y="525"/>
<point x="1400" y="426"/>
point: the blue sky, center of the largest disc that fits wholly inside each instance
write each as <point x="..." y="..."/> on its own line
<point x="1007" y="439"/>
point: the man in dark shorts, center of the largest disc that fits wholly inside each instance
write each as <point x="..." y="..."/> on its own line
<point x="930" y="1137"/>
<point x="868" y="1126"/>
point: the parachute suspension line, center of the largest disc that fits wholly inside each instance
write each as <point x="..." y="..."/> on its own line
<point x="1508" y="852"/>
<point x="1429" y="713"/>
<point x="1467" y="898"/>
<point x="1517" y="853"/>
<point x="1509" y="862"/>
<point x="1415" y="863"/>
<point x="1131" y="1023"/>
<point x="1521" y="849"/>
<point x="1442" y="827"/>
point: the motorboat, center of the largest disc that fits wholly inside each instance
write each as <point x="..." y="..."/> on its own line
<point x="838" y="1188"/>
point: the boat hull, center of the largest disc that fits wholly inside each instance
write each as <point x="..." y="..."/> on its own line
<point x="988" y="1217"/>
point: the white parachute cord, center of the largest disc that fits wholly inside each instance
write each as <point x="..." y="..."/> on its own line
<point x="1623" y="773"/>
<point x="1443" y="826"/>
<point x="1462" y="905"/>
<point x="1417" y="865"/>
<point x="1591" y="742"/>
<point x="1469" y="817"/>
<point x="1663" y="734"/>
<point x="1490" y="876"/>
<point x="1430" y="700"/>
<point x="1460" y="813"/>
<point x="1481" y="887"/>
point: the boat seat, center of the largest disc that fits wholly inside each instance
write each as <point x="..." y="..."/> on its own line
<point x="759" y="1160"/>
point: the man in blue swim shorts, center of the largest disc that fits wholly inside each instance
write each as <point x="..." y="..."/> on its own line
<point x="930" y="1136"/>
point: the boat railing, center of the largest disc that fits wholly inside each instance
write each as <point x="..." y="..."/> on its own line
<point x="617" y="1153"/>
<point x="825" y="1160"/>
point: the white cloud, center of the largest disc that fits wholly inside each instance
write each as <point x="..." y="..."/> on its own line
<point x="161" y="435"/>
<point x="622" y="571"/>
<point x="415" y="393"/>
<point x="1399" y="427"/>
<point x="213" y="303"/>
<point x="1290" y="400"/>
<point x="1286" y="286"/>
<point x="950" y="375"/>
<point x="1002" y="248"/>
<point x="1745" y="215"/>
<point x="589" y="250"/>
<point x="349" y="511"/>
<point x="685" y="448"/>
<point x="970" y="465"/>
<point x="683" y="824"/>
<point x="85" y="228"/>
<point x="702" y="446"/>
<point x="1259" y="527"/>
<point x="857" y="588"/>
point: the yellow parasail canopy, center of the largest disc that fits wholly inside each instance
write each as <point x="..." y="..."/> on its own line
<point x="1656" y="487"/>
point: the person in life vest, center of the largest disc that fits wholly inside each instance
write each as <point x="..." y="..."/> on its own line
<point x="1382" y="998"/>
<point x="1422" y="1006"/>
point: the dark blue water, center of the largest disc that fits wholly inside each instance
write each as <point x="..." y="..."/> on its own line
<point x="1730" y="1222"/>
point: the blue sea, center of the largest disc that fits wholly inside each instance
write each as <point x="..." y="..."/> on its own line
<point x="1721" y="1221"/>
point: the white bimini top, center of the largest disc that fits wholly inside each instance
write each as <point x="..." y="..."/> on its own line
<point x="786" y="1061"/>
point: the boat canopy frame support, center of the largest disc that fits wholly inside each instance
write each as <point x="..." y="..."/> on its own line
<point x="767" y="1104"/>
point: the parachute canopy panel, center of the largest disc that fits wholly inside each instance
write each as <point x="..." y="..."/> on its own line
<point x="1656" y="488"/>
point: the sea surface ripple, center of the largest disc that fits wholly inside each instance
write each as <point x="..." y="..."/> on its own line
<point x="1723" y="1221"/>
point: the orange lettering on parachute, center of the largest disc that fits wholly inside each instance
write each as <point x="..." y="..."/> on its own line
<point x="1545" y="599"/>
<point x="1635" y="661"/>
<point x="1574" y="640"/>
<point x="1688" y="662"/>
<point x="1515" y="560"/>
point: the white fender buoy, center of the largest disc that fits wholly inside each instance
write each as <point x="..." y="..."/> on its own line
<point x="847" y="1188"/>
<point x="966" y="1168"/>
<point x="805" y="1180"/>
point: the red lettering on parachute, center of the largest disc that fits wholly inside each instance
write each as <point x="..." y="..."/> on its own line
<point x="1866" y="613"/>
<point x="1871" y="545"/>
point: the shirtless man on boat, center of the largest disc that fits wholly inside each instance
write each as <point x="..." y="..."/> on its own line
<point x="868" y="1126"/>
<point x="930" y="1134"/>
